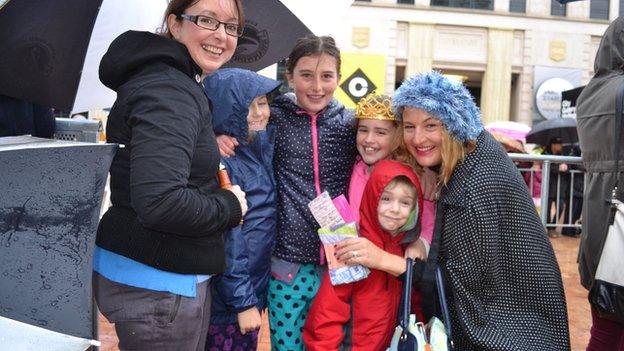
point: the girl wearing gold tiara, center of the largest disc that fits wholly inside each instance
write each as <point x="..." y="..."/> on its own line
<point x="382" y="250"/>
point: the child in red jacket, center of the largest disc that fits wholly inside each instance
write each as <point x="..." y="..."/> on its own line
<point x="391" y="205"/>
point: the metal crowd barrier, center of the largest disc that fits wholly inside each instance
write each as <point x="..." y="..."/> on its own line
<point x="545" y="162"/>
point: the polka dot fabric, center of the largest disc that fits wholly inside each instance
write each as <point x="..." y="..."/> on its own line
<point x="297" y="239"/>
<point x="503" y="283"/>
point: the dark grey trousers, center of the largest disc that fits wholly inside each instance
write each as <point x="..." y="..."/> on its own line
<point x="154" y="320"/>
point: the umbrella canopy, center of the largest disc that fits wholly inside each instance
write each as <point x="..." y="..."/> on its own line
<point x="44" y="44"/>
<point x="563" y="128"/>
<point x="510" y="144"/>
<point x="514" y="130"/>
<point x="265" y="39"/>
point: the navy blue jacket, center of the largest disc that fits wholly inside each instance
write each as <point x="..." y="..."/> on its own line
<point x="19" y="117"/>
<point x="297" y="239"/>
<point x="248" y="247"/>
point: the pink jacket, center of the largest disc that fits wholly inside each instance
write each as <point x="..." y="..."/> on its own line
<point x="359" y="177"/>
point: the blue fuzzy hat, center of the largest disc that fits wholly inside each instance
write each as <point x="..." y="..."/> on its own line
<point x="448" y="101"/>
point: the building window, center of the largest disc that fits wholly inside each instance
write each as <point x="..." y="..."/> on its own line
<point x="517" y="6"/>
<point x="599" y="9"/>
<point x="468" y="4"/>
<point x="621" y="7"/>
<point x="557" y="9"/>
<point x="410" y="2"/>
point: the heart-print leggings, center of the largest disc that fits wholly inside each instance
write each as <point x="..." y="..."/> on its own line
<point x="288" y="307"/>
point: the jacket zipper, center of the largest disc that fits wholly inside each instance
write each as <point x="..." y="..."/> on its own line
<point x="317" y="176"/>
<point x="315" y="165"/>
<point x="315" y="155"/>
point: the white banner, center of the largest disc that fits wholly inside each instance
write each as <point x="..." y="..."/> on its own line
<point x="114" y="18"/>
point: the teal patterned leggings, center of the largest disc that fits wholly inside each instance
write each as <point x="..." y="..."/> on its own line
<point x="288" y="307"/>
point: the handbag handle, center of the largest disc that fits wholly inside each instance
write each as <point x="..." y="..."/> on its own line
<point x="406" y="295"/>
<point x="444" y="307"/>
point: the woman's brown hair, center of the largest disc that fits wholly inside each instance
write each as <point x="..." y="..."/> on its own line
<point x="177" y="7"/>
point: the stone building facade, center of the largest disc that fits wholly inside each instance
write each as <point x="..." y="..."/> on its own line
<point x="501" y="49"/>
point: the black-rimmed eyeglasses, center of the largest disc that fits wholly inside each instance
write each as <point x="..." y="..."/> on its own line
<point x="210" y="23"/>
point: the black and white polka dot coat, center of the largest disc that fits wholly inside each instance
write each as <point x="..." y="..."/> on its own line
<point x="297" y="239"/>
<point x="503" y="283"/>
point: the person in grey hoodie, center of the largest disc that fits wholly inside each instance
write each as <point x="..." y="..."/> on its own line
<point x="595" y="113"/>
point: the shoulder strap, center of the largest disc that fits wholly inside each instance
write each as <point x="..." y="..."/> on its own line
<point x="406" y="295"/>
<point x="446" y="316"/>
<point x="617" y="132"/>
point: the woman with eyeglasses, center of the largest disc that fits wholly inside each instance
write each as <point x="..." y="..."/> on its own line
<point x="161" y="240"/>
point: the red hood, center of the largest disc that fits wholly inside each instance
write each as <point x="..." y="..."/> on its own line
<point x="383" y="172"/>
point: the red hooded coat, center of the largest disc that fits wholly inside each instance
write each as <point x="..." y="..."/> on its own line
<point x="374" y="300"/>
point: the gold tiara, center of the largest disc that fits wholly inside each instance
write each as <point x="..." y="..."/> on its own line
<point x="375" y="107"/>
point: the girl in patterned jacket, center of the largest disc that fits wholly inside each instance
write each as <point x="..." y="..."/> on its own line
<point x="314" y="152"/>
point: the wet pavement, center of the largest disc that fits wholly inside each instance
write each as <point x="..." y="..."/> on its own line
<point x="566" y="249"/>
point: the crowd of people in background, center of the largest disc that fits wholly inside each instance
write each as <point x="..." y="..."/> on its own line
<point x="186" y="262"/>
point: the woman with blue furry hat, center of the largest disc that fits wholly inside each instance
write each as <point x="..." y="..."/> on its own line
<point x="503" y="284"/>
<point x="240" y="109"/>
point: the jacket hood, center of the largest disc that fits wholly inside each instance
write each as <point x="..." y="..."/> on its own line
<point x="231" y="91"/>
<point x="133" y="51"/>
<point x="288" y="103"/>
<point x="383" y="172"/>
<point x="610" y="55"/>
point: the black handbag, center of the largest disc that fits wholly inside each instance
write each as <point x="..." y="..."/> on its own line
<point x="606" y="294"/>
<point x="412" y="335"/>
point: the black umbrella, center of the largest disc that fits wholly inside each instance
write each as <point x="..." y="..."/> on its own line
<point x="562" y="128"/>
<point x="43" y="44"/>
<point x="271" y="31"/>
